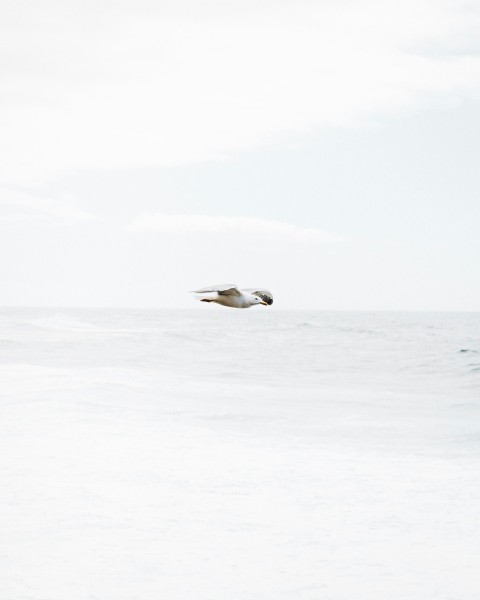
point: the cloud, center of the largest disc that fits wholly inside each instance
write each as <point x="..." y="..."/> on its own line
<point x="159" y="84"/>
<point x="250" y="227"/>
<point x="19" y="207"/>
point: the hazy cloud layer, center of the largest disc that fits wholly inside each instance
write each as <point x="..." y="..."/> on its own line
<point x="18" y="206"/>
<point x="105" y="85"/>
<point x="232" y="226"/>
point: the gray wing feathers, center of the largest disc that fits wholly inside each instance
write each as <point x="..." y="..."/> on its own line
<point x="225" y="289"/>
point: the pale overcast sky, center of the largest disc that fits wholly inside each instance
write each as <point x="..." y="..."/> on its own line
<point x="327" y="150"/>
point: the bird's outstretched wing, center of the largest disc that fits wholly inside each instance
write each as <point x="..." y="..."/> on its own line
<point x="265" y="295"/>
<point x="224" y="289"/>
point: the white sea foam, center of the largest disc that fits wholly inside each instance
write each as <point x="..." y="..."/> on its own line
<point x="239" y="454"/>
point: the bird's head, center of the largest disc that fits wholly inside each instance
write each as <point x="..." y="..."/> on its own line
<point x="259" y="300"/>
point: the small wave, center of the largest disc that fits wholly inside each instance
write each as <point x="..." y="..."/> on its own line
<point x="63" y="323"/>
<point x="178" y="335"/>
<point x="464" y="350"/>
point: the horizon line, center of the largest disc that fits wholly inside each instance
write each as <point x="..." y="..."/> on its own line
<point x="195" y="308"/>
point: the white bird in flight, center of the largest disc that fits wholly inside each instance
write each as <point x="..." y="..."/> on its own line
<point x="229" y="294"/>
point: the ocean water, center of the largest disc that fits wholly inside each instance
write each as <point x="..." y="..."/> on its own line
<point x="219" y="454"/>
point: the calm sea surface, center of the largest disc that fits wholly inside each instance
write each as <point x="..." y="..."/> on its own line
<point x="404" y="351"/>
<point x="227" y="454"/>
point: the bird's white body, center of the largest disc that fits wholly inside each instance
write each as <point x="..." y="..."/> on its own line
<point x="244" y="300"/>
<point x="231" y="295"/>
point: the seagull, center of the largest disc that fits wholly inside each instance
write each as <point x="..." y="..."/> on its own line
<point x="229" y="294"/>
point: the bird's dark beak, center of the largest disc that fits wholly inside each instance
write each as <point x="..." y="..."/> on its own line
<point x="264" y="303"/>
